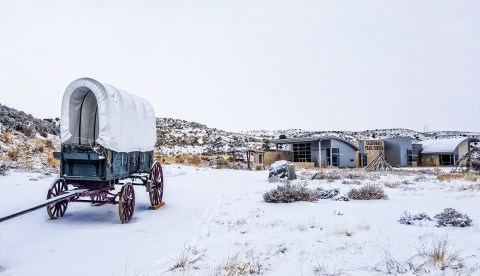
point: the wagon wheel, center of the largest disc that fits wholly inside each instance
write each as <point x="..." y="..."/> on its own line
<point x="57" y="209"/>
<point x="126" y="203"/>
<point x="100" y="196"/>
<point x="156" y="184"/>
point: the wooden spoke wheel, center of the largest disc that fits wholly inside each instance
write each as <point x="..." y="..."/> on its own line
<point x="101" y="196"/>
<point x="57" y="210"/>
<point x="156" y="184"/>
<point x="126" y="203"/>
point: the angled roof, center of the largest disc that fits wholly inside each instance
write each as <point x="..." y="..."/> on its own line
<point x="312" y="139"/>
<point x="443" y="146"/>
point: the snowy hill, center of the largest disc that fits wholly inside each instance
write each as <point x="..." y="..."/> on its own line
<point x="179" y="136"/>
<point x="175" y="136"/>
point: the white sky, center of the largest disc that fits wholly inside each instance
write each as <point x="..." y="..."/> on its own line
<point x="243" y="65"/>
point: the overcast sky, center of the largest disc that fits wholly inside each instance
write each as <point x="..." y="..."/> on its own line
<point x="243" y="65"/>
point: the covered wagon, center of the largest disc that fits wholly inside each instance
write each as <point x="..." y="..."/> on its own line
<point x="108" y="137"/>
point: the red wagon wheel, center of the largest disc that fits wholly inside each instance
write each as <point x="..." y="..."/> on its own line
<point x="156" y="184"/>
<point x="126" y="204"/>
<point x="56" y="210"/>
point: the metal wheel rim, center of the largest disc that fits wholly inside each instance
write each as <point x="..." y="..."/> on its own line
<point x="58" y="209"/>
<point x="156" y="184"/>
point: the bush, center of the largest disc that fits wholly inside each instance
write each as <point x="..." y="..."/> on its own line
<point x="326" y="194"/>
<point x="331" y="176"/>
<point x="13" y="153"/>
<point x="367" y="192"/>
<point x="3" y="169"/>
<point x="5" y="137"/>
<point x="195" y="160"/>
<point x="452" y="217"/>
<point x="51" y="161"/>
<point x="287" y="193"/>
<point x="408" y="219"/>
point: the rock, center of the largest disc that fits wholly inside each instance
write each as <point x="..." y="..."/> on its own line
<point x="282" y="169"/>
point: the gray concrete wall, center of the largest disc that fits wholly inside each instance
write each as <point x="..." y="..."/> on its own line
<point x="396" y="150"/>
<point x="347" y="153"/>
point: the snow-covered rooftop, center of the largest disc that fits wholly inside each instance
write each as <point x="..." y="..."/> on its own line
<point x="441" y="145"/>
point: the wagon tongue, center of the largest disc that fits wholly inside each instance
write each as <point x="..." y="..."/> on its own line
<point x="67" y="195"/>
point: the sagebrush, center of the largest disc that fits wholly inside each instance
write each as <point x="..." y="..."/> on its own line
<point x="367" y="192"/>
<point x="288" y="192"/>
<point x="452" y="217"/>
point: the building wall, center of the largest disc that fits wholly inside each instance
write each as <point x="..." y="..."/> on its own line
<point x="396" y="150"/>
<point x="372" y="148"/>
<point x="417" y="156"/>
<point x="272" y="156"/>
<point x="304" y="165"/>
<point x="348" y="154"/>
<point x="430" y="160"/>
<point x="462" y="149"/>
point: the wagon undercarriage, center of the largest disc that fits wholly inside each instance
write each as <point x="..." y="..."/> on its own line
<point x="100" y="193"/>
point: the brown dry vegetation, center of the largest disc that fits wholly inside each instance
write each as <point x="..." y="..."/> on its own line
<point x="51" y="161"/>
<point x="13" y="153"/>
<point x="456" y="176"/>
<point x="5" y="137"/>
<point x="195" y="160"/>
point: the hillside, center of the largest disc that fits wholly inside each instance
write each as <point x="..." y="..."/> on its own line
<point x="179" y="136"/>
<point x="26" y="141"/>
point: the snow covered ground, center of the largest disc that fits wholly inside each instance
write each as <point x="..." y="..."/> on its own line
<point x="216" y="222"/>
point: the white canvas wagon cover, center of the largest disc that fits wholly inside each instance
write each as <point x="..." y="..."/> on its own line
<point x="96" y="112"/>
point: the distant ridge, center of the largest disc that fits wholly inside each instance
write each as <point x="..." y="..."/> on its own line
<point x="176" y="136"/>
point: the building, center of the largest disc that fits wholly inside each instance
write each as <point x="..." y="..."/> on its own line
<point x="312" y="152"/>
<point x="398" y="151"/>
<point x="445" y="152"/>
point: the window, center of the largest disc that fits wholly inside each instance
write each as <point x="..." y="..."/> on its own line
<point x="447" y="160"/>
<point x="333" y="157"/>
<point x="302" y="152"/>
<point x="362" y="157"/>
<point x="409" y="157"/>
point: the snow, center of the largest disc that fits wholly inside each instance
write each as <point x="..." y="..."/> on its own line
<point x="441" y="145"/>
<point x="214" y="215"/>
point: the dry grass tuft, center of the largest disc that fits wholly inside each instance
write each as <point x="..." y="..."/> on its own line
<point x="195" y="160"/>
<point x="440" y="255"/>
<point x="449" y="177"/>
<point x="51" y="161"/>
<point x="13" y="153"/>
<point x="188" y="258"/>
<point x="250" y="264"/>
<point x="5" y="137"/>
<point x="160" y="158"/>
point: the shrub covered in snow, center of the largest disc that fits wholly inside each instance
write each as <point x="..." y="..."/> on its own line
<point x="3" y="169"/>
<point x="326" y="194"/>
<point x="408" y="219"/>
<point x="289" y="192"/>
<point x="367" y="192"/>
<point x="452" y="217"/>
<point x="331" y="176"/>
<point x="352" y="182"/>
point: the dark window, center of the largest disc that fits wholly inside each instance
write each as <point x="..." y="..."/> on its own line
<point x="302" y="152"/>
<point x="447" y="160"/>
<point x="333" y="157"/>
<point x="409" y="157"/>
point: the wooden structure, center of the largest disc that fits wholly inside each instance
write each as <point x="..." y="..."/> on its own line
<point x="379" y="163"/>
